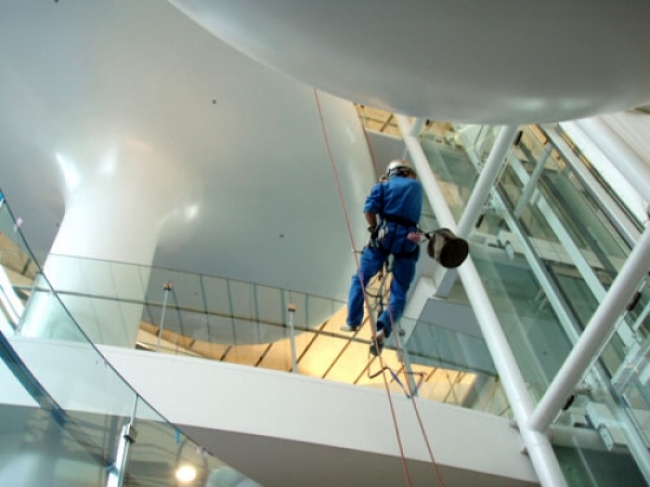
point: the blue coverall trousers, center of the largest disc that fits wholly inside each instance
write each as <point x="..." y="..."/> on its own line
<point x="372" y="260"/>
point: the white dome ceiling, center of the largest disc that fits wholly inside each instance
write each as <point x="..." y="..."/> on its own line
<point x="504" y="61"/>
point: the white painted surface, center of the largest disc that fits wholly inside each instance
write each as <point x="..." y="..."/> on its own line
<point x="491" y="62"/>
<point x="152" y="133"/>
<point x="75" y="375"/>
<point x="278" y="427"/>
<point x="625" y="168"/>
<point x="202" y="395"/>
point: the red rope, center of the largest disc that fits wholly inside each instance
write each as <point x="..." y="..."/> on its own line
<point x="347" y="221"/>
<point x="398" y="345"/>
<point x="412" y="398"/>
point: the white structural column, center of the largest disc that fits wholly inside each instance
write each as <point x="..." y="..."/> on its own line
<point x="116" y="202"/>
<point x="634" y="169"/>
<point x="537" y="444"/>
<point x="531" y="184"/>
<point x="601" y="145"/>
<point x="446" y="277"/>
<point x="486" y="180"/>
<point x="595" y="335"/>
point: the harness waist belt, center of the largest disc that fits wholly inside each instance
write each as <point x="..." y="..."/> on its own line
<point x="400" y="220"/>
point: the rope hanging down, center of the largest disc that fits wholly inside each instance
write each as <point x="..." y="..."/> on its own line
<point x="372" y="320"/>
<point x="350" y="234"/>
<point x="435" y="249"/>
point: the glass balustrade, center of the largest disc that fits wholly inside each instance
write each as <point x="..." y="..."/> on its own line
<point x="249" y="324"/>
<point x="232" y="321"/>
<point x="67" y="418"/>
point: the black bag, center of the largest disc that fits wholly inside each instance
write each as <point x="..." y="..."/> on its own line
<point x="448" y="249"/>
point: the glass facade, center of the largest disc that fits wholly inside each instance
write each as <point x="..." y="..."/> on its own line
<point x="547" y="252"/>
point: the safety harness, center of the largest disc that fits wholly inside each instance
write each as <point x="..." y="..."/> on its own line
<point x="386" y="234"/>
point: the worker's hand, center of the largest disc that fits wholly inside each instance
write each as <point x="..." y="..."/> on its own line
<point x="374" y="231"/>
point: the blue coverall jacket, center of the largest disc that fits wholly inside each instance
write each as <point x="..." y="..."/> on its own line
<point x="398" y="205"/>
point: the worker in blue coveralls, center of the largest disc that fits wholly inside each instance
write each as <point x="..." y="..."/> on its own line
<point x="392" y="210"/>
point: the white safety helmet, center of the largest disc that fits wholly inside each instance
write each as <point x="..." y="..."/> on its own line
<point x="399" y="167"/>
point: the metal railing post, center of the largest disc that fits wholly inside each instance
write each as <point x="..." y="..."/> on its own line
<point x="128" y="435"/>
<point x="167" y="288"/>
<point x="291" y="308"/>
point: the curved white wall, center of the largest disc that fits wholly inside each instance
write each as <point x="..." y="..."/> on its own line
<point x="157" y="138"/>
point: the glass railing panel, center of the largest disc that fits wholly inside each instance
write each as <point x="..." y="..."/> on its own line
<point x="323" y="351"/>
<point x="19" y="267"/>
<point x="17" y="271"/>
<point x="153" y="457"/>
<point x="351" y="363"/>
<point x="378" y="373"/>
<point x="320" y="310"/>
<point x="11" y="238"/>
<point x="209" y="350"/>
<point x="448" y="386"/>
<point x="94" y="400"/>
<point x="186" y="291"/>
<point x="162" y="455"/>
<point x="246" y="354"/>
<point x="68" y="407"/>
<point x="96" y="292"/>
<point x="37" y="451"/>
<point x="45" y="309"/>
<point x="336" y="319"/>
<point x="278" y="355"/>
<point x="158" y="286"/>
<point x="490" y="397"/>
<point x="217" y="295"/>
<point x="242" y="298"/>
<point x="271" y="307"/>
<point x="442" y="345"/>
<point x="90" y="403"/>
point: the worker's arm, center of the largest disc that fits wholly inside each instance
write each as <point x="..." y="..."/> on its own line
<point x="371" y="218"/>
